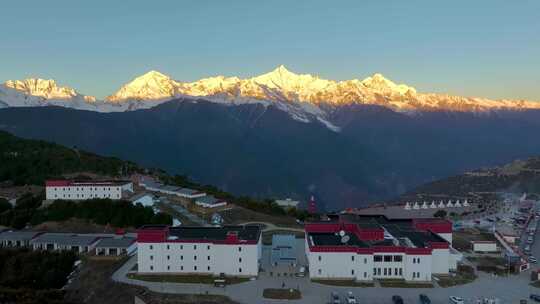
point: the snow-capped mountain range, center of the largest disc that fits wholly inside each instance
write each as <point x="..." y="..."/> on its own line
<point x="305" y="97"/>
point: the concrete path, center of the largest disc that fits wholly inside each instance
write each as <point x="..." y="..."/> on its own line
<point x="507" y="289"/>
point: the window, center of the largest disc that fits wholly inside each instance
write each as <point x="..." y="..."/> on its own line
<point x="168" y="257"/>
<point x="378" y="271"/>
<point x="181" y="247"/>
<point x="195" y="268"/>
<point x="208" y="258"/>
<point x="417" y="260"/>
<point x="181" y="258"/>
<point x="377" y="258"/>
<point x="208" y="268"/>
<point x="151" y="267"/>
<point x="320" y="271"/>
<point x="400" y="271"/>
<point x="181" y="267"/>
<point x="388" y="258"/>
<point x="240" y="260"/>
<point x="395" y="272"/>
<point x="365" y="260"/>
<point x="195" y="257"/>
<point x="398" y="258"/>
<point x="365" y="274"/>
<point x="208" y="247"/>
<point x="239" y="269"/>
<point x="352" y="258"/>
<point x="151" y="258"/>
<point x="168" y="247"/>
<point x="352" y="271"/>
<point x="414" y="260"/>
<point x="414" y="275"/>
<point x="194" y="247"/>
<point x="385" y="272"/>
<point x="239" y="249"/>
<point x="320" y="258"/>
<point x="168" y="267"/>
<point x="151" y="247"/>
<point x="374" y="271"/>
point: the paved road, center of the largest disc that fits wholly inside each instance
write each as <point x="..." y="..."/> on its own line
<point x="508" y="290"/>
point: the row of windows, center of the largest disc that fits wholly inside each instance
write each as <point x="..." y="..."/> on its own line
<point x="194" y="247"/>
<point x="416" y="260"/>
<point x="194" y="258"/>
<point x="90" y="196"/>
<point x="194" y="268"/>
<point x="388" y="258"/>
<point x="82" y="189"/>
<point x="416" y="275"/>
<point x="387" y="271"/>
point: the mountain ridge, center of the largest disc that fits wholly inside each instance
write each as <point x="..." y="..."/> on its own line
<point x="304" y="96"/>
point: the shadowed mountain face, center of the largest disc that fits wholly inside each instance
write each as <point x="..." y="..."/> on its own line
<point x="260" y="150"/>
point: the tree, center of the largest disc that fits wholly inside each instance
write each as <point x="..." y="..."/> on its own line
<point x="4" y="205"/>
<point x="440" y="213"/>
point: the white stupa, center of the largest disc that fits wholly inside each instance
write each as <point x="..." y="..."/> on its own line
<point x="416" y="207"/>
<point x="466" y="203"/>
<point x="432" y="206"/>
<point x="449" y="205"/>
<point x="407" y="206"/>
<point x="458" y="204"/>
<point x="441" y="204"/>
<point x="424" y="205"/>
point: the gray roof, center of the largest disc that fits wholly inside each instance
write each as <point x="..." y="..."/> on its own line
<point x="66" y="239"/>
<point x="188" y="191"/>
<point x="170" y="188"/>
<point x="18" y="235"/>
<point x="113" y="242"/>
<point x="209" y="200"/>
<point x="140" y="195"/>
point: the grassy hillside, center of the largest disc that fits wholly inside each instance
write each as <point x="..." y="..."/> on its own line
<point x="32" y="161"/>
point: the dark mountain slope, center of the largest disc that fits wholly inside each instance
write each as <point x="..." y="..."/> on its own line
<point x="262" y="151"/>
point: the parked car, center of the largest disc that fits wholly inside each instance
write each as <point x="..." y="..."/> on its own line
<point x="301" y="272"/>
<point x="397" y="299"/>
<point x="534" y="297"/>
<point x="424" y="299"/>
<point x="532" y="260"/>
<point x="335" y="298"/>
<point x="350" y="298"/>
<point x="456" y="300"/>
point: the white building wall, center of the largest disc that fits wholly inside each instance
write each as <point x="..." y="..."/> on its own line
<point x="199" y="258"/>
<point x="440" y="261"/>
<point x="340" y="265"/>
<point x="446" y="236"/>
<point x="83" y="192"/>
<point x="417" y="267"/>
<point x="392" y="266"/>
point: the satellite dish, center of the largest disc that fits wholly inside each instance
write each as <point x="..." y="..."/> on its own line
<point x="341" y="233"/>
<point x="345" y="239"/>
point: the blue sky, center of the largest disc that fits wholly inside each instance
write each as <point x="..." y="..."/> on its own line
<point x="474" y="48"/>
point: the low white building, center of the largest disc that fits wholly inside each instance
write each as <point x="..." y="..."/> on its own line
<point x="83" y="190"/>
<point x="80" y="243"/>
<point x="115" y="246"/>
<point x="364" y="248"/>
<point x="287" y="203"/>
<point x="229" y="250"/>
<point x="209" y="201"/>
<point x="484" y="246"/>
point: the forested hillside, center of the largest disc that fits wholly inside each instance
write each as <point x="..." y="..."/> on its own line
<point x="32" y="161"/>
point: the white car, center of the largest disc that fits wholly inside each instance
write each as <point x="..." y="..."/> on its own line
<point x="532" y="260"/>
<point x="456" y="300"/>
<point x="350" y="298"/>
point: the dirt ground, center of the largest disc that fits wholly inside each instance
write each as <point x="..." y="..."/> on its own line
<point x="77" y="226"/>
<point x="93" y="285"/>
<point x="238" y="215"/>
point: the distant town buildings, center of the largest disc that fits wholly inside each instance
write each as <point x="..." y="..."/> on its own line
<point x="228" y="250"/>
<point x="151" y="184"/>
<point x="84" y="190"/>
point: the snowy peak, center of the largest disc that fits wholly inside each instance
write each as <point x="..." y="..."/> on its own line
<point x="45" y="88"/>
<point x="150" y="86"/>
